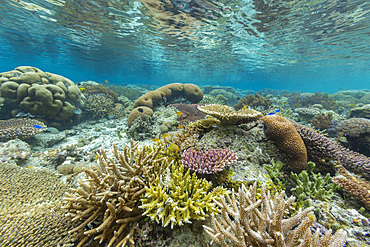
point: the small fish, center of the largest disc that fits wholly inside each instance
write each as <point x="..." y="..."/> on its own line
<point x="77" y="111"/>
<point x="180" y="126"/>
<point x="215" y="126"/>
<point x="179" y="113"/>
<point x="271" y="113"/>
<point x="244" y="107"/>
<point x="173" y="147"/>
<point x="277" y="110"/>
<point x="37" y="126"/>
<point x="155" y="139"/>
<point x="165" y="135"/>
<point x="284" y="103"/>
<point x="30" y="167"/>
<point x="212" y="92"/>
<point x="352" y="105"/>
<point x="82" y="89"/>
<point x="263" y="93"/>
<point x="110" y="116"/>
<point x="106" y="80"/>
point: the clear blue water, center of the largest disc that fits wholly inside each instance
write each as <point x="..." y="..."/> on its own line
<point x="298" y="45"/>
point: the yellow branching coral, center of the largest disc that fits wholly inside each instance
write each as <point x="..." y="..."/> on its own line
<point x="227" y="114"/>
<point x="180" y="198"/>
<point x="110" y="195"/>
<point x="247" y="221"/>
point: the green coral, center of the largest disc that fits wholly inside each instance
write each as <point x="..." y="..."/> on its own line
<point x="312" y="185"/>
<point x="179" y="198"/>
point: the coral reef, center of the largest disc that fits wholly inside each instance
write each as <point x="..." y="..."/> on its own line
<point x="207" y="161"/>
<point x="167" y="94"/>
<point x="110" y="198"/>
<point x="308" y="99"/>
<point x="247" y="221"/>
<point x="30" y="208"/>
<point x="322" y="121"/>
<point x="359" y="193"/>
<point x="101" y="102"/>
<point x="306" y="114"/>
<point x="321" y="149"/>
<point x="180" y="198"/>
<point x="357" y="134"/>
<point x="228" y="116"/>
<point x="39" y="93"/>
<point x="253" y="101"/>
<point x="21" y="128"/>
<point x="360" y="112"/>
<point x="283" y="133"/>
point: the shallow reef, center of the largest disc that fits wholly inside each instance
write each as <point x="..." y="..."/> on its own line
<point x="178" y="165"/>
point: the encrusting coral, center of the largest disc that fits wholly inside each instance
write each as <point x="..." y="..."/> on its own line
<point x="283" y="133"/>
<point x="21" y="128"/>
<point x="109" y="201"/>
<point x="178" y="198"/>
<point x="227" y="115"/>
<point x="247" y="221"/>
<point x="207" y="161"/>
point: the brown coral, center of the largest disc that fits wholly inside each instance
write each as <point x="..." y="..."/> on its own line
<point x="319" y="148"/>
<point x="253" y="101"/>
<point x="21" y="128"/>
<point x="110" y="198"/>
<point x="358" y="192"/>
<point x="283" y="133"/>
<point x="322" y="121"/>
<point x="166" y="94"/>
<point x="227" y="115"/>
<point x="190" y="113"/>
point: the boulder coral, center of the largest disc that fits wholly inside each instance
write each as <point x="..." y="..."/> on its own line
<point x="39" y="93"/>
<point x="166" y="94"/>
<point x="287" y="139"/>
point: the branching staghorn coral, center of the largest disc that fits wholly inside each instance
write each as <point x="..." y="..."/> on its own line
<point x="109" y="200"/>
<point x="179" y="198"/>
<point x="247" y="221"/>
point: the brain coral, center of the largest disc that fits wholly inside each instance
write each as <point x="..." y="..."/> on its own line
<point x="20" y="128"/>
<point x="166" y="94"/>
<point x="39" y="93"/>
<point x="288" y="140"/>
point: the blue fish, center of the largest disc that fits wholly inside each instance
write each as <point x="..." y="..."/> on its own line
<point x="37" y="126"/>
<point x="277" y="110"/>
<point x="271" y="113"/>
<point x="77" y="111"/>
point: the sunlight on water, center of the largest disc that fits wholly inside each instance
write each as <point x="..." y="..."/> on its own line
<point x="177" y="38"/>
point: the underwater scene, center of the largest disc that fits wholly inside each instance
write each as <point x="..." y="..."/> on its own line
<point x="195" y="123"/>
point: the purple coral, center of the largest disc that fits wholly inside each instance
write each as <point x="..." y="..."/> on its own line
<point x="207" y="161"/>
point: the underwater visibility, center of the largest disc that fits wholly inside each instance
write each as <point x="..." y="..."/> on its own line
<point x="184" y="123"/>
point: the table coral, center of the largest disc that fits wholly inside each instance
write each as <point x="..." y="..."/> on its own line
<point x="227" y="115"/>
<point x="110" y="198"/>
<point x="247" y="221"/>
<point x="20" y="128"/>
<point x="283" y="133"/>
<point x="207" y="161"/>
<point x="180" y="198"/>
